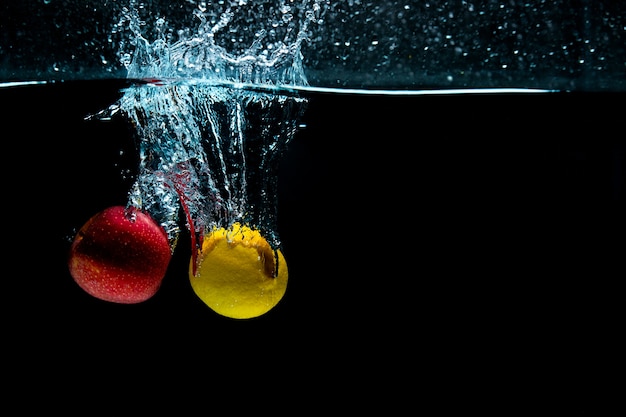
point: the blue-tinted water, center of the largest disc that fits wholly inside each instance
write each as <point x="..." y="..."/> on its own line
<point x="469" y="239"/>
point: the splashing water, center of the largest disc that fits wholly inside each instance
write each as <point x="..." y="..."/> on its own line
<point x="238" y="41"/>
<point x="210" y="129"/>
<point x="214" y="150"/>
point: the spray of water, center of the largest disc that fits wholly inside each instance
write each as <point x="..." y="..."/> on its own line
<point x="249" y="42"/>
<point x="209" y="142"/>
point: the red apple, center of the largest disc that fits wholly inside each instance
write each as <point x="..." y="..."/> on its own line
<point x="120" y="255"/>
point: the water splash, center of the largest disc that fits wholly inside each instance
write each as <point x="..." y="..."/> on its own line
<point x="206" y="144"/>
<point x="214" y="151"/>
<point x="256" y="42"/>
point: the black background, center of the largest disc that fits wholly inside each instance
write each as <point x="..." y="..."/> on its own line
<point x="458" y="251"/>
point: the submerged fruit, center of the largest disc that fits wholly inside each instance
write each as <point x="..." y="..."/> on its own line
<point x="120" y="255"/>
<point x="238" y="273"/>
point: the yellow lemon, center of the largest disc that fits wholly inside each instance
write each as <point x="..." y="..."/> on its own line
<point x="238" y="274"/>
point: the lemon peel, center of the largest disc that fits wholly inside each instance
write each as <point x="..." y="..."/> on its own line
<point x="238" y="274"/>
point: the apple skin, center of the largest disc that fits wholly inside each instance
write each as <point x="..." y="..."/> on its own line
<point x="120" y="255"/>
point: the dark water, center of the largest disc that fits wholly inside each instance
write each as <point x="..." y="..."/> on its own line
<point x="467" y="249"/>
